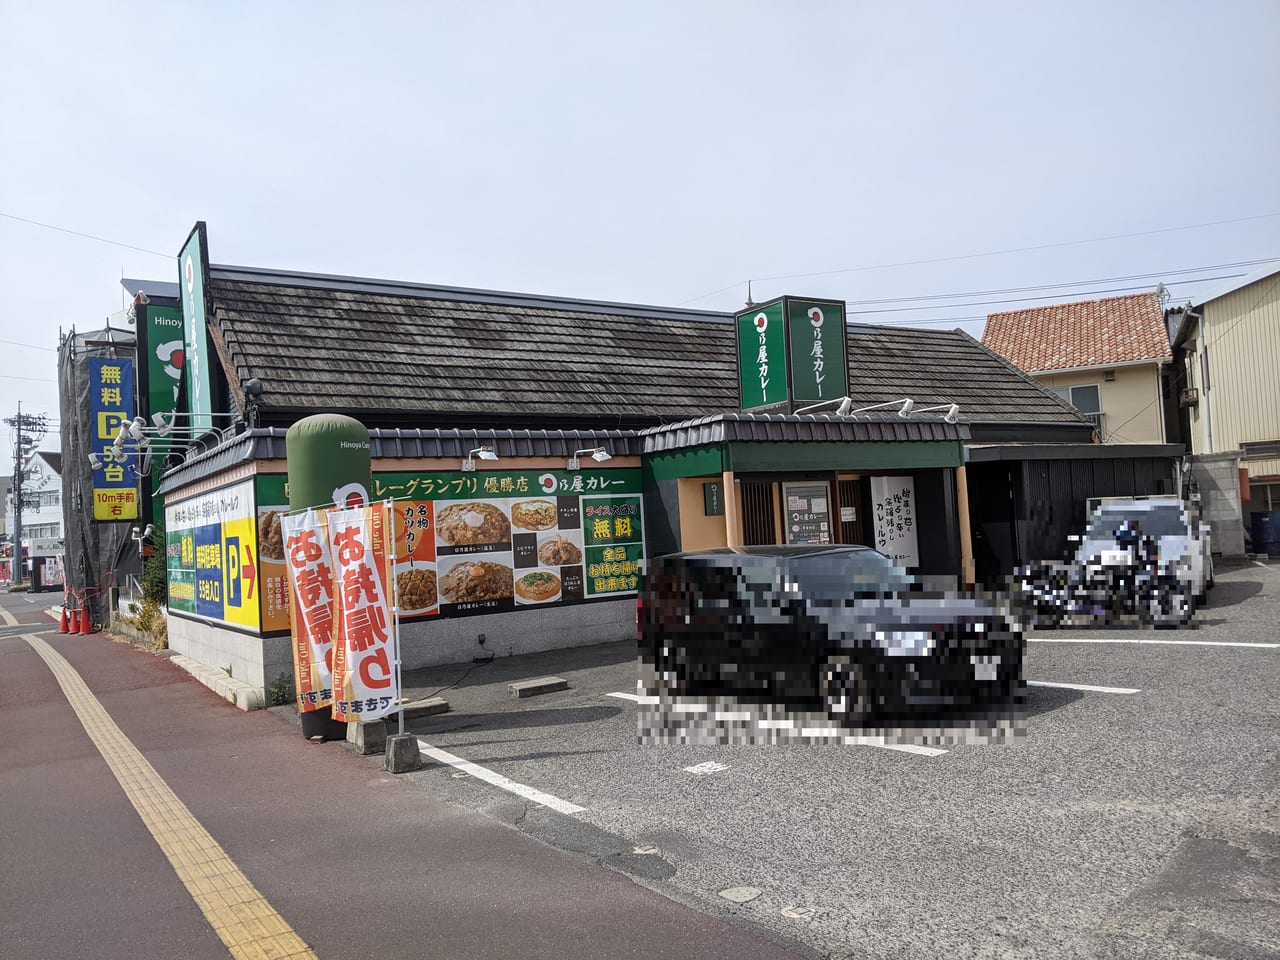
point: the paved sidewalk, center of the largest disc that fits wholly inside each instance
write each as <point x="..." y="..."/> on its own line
<point x="357" y="862"/>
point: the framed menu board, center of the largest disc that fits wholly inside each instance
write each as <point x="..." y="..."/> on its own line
<point x="806" y="512"/>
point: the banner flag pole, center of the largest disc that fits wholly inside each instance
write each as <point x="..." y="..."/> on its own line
<point x="395" y="611"/>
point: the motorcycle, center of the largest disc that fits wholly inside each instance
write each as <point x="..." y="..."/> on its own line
<point x="1115" y="585"/>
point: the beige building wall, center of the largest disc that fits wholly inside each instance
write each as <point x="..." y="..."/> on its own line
<point x="697" y="530"/>
<point x="1131" y="411"/>
<point x="1241" y="333"/>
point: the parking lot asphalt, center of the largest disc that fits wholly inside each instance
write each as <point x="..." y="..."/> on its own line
<point x="1138" y="818"/>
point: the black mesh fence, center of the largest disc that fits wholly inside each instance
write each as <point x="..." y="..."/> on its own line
<point x="99" y="556"/>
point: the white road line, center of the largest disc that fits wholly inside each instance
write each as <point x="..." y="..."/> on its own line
<point x="498" y="780"/>
<point x="1082" y="686"/>
<point x="911" y="748"/>
<point x="634" y="698"/>
<point x="1176" y="643"/>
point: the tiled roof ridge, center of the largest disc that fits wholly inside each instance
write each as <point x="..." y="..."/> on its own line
<point x="336" y="283"/>
<point x="1075" y="303"/>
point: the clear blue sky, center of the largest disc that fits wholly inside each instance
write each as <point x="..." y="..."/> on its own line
<point x="650" y="152"/>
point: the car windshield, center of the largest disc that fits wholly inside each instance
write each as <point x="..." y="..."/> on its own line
<point x="1159" y="522"/>
<point x="833" y="576"/>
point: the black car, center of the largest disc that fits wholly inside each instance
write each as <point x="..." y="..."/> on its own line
<point x="839" y="627"/>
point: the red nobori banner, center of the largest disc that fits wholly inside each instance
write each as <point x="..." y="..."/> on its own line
<point x="309" y="568"/>
<point x="364" y="675"/>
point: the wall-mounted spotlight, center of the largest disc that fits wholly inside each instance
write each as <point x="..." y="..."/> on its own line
<point x="952" y="414"/>
<point x="95" y="461"/>
<point x="598" y="454"/>
<point x="484" y="453"/>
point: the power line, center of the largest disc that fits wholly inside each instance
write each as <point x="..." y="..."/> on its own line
<point x="33" y="346"/>
<point x="87" y="236"/>
<point x="10" y="376"/>
<point x="1074" y="283"/>
<point x="989" y="253"/>
<point x="1050" y="296"/>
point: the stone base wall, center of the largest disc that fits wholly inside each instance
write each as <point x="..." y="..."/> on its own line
<point x="258" y="661"/>
<point x="255" y="660"/>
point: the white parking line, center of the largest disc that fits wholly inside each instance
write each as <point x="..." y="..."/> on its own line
<point x="1176" y="643"/>
<point x="1082" y="686"/>
<point x="498" y="780"/>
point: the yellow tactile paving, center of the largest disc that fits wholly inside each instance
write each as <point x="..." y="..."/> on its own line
<point x="9" y="619"/>
<point x="237" y="911"/>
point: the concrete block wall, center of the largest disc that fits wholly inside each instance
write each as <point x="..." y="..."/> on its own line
<point x="1217" y="478"/>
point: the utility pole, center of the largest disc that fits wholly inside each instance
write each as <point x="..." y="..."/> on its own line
<point x="27" y="432"/>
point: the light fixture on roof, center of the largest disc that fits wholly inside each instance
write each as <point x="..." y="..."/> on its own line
<point x="905" y="405"/>
<point x="841" y="411"/>
<point x="953" y="411"/>
<point x="484" y="453"/>
<point x="598" y="454"/>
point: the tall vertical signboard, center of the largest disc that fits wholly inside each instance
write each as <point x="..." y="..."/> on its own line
<point x="193" y="269"/>
<point x="817" y="362"/>
<point x="762" y="358"/>
<point x="115" y="488"/>
<point x="161" y="356"/>
<point x="791" y="353"/>
<point x="165" y="350"/>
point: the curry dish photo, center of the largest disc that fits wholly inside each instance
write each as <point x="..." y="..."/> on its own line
<point x="534" y="514"/>
<point x="538" y="586"/>
<point x="476" y="580"/>
<point x="417" y="588"/>
<point x="270" y="536"/>
<point x="470" y="524"/>
<point x="558" y="552"/>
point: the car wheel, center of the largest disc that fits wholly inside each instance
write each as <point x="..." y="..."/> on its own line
<point x="843" y="685"/>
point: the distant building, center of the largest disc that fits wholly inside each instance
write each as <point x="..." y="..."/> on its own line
<point x="5" y="484"/>
<point x="1226" y="370"/>
<point x="1107" y="358"/>
<point x="42" y="529"/>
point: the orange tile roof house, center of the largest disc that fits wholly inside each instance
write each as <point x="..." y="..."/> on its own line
<point x="1108" y="357"/>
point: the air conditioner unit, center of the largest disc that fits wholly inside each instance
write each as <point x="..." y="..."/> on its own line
<point x="1189" y="397"/>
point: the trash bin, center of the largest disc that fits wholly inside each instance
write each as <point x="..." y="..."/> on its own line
<point x="1266" y="533"/>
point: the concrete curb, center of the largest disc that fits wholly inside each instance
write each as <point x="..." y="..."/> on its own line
<point x="234" y="691"/>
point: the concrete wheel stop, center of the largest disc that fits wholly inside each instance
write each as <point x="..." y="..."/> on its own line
<point x="532" y="688"/>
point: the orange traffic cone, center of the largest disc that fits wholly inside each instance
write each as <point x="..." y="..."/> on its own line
<point x="86" y="621"/>
<point x="64" y="626"/>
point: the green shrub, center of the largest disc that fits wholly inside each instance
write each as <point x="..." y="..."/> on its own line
<point x="155" y="574"/>
<point x="280" y="691"/>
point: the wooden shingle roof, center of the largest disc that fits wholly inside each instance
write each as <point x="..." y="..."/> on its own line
<point x="436" y="356"/>
<point x="1088" y="333"/>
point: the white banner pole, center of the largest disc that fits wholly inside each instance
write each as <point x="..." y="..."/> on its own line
<point x="395" y="613"/>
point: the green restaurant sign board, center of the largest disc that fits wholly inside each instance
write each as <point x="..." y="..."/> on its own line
<point x="791" y="353"/>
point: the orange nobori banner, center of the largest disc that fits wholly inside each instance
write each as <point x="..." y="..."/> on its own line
<point x="365" y="680"/>
<point x="309" y="568"/>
